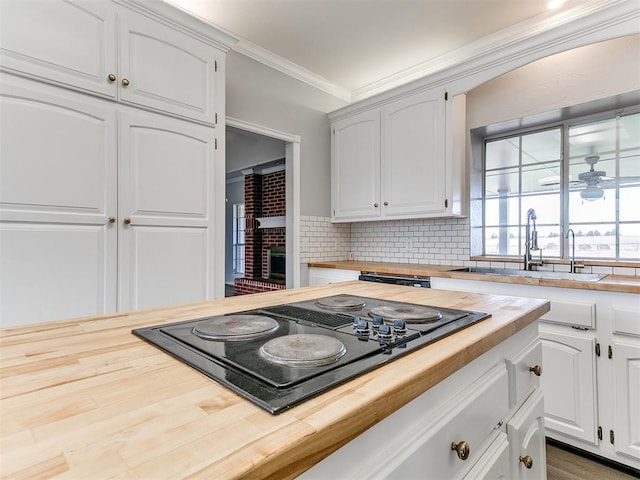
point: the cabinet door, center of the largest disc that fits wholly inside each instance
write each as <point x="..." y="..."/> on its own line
<point x="57" y="191"/>
<point x="64" y="41"/>
<point x="494" y="463"/>
<point x="569" y="382"/>
<point x="167" y="70"/>
<point x="527" y="440"/>
<point x="626" y="380"/>
<point x="166" y="200"/>
<point x="413" y="157"/>
<point x="355" y="167"/>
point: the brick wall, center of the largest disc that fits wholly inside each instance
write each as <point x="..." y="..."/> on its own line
<point x="265" y="196"/>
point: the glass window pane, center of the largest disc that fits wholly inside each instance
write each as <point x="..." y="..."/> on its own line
<point x="502" y="241"/>
<point x="630" y="204"/>
<point x="502" y="153"/>
<point x="500" y="182"/>
<point x="550" y="241"/>
<point x="593" y="138"/>
<point x="630" y="131"/>
<point x="541" y="147"/>
<point x="582" y="210"/>
<point x="502" y="211"/>
<point x="630" y="241"/>
<point x="630" y="167"/>
<point x="541" y="177"/>
<point x="547" y="208"/>
<point x="595" y="240"/>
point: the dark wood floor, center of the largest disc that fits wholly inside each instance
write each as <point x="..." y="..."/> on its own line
<point x="565" y="465"/>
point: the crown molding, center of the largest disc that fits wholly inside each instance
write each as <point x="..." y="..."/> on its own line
<point x="488" y="45"/>
<point x="291" y="69"/>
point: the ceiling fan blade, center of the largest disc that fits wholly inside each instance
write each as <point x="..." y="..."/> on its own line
<point x="609" y="182"/>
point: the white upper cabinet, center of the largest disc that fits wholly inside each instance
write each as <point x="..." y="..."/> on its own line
<point x="413" y="160"/>
<point x="68" y="42"/>
<point x="392" y="161"/>
<point x="102" y="48"/>
<point x="355" y="166"/>
<point x="164" y="69"/>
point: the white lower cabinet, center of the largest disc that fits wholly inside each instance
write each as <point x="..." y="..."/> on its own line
<point x="323" y="276"/>
<point x="569" y="381"/>
<point x="461" y="428"/>
<point x="527" y="440"/>
<point x="590" y="362"/>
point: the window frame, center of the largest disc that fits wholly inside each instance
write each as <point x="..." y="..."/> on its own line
<point x="564" y="189"/>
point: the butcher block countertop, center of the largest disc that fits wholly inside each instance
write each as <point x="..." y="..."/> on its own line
<point x="610" y="283"/>
<point x="86" y="399"/>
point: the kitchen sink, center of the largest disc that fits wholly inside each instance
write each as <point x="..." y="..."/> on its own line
<point x="509" y="272"/>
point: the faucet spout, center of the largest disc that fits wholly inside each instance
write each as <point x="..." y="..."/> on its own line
<point x="531" y="241"/>
<point x="573" y="266"/>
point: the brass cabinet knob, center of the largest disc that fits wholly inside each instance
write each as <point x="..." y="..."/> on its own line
<point x="386" y="204"/>
<point x="125" y="82"/>
<point x="536" y="369"/>
<point x="111" y="77"/>
<point x="462" y="449"/>
<point x="127" y="221"/>
<point x="375" y="205"/>
<point x="526" y="461"/>
<point x="112" y="219"/>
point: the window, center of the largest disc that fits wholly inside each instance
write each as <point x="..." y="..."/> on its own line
<point x="238" y="238"/>
<point x="581" y="174"/>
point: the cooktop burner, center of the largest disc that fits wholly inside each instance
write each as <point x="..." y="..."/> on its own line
<point x="303" y="350"/>
<point x="280" y="356"/>
<point x="341" y="302"/>
<point x="235" y="328"/>
<point x="409" y="313"/>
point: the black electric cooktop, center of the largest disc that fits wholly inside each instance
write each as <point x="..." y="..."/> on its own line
<point x="280" y="356"/>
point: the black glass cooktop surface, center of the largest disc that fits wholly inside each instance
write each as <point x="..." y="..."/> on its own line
<point x="280" y="356"/>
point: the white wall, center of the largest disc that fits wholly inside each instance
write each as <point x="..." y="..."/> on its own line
<point x="577" y="76"/>
<point x="263" y="96"/>
<point x="245" y="149"/>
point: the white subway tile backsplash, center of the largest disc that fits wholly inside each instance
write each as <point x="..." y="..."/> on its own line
<point x="444" y="241"/>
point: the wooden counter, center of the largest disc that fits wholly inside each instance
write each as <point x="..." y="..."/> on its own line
<point x="610" y="283"/>
<point x="87" y="399"/>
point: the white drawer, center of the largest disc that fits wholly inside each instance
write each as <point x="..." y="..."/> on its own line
<point x="626" y="322"/>
<point x="571" y="313"/>
<point x="472" y="419"/>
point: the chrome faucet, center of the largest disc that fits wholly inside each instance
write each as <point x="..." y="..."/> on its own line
<point x="531" y="242"/>
<point x="573" y="266"/>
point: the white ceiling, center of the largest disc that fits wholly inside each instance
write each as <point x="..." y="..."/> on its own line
<point x="352" y="45"/>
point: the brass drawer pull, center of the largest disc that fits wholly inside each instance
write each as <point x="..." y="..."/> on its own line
<point x="537" y="370"/>
<point x="527" y="461"/>
<point x="127" y="221"/>
<point x="111" y="77"/>
<point x="125" y="82"/>
<point x="461" y="448"/>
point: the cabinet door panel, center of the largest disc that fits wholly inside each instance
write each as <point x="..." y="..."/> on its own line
<point x="570" y="386"/>
<point x="413" y="163"/>
<point x="494" y="463"/>
<point x="55" y="271"/>
<point x="57" y="190"/>
<point x="626" y="358"/>
<point x="355" y="167"/>
<point x="166" y="184"/>
<point x="167" y="265"/>
<point x="527" y="439"/>
<point x="63" y="41"/>
<point x="166" y="69"/>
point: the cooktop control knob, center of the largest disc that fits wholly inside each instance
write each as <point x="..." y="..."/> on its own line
<point x="360" y="327"/>
<point x="399" y="328"/>
<point x="384" y="334"/>
<point x="376" y="321"/>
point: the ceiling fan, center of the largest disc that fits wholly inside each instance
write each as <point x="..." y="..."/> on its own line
<point x="594" y="181"/>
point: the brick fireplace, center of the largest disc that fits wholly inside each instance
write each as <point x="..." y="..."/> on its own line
<point x="265" y="197"/>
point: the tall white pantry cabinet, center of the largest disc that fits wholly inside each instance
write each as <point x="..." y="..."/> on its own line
<point x="111" y="158"/>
